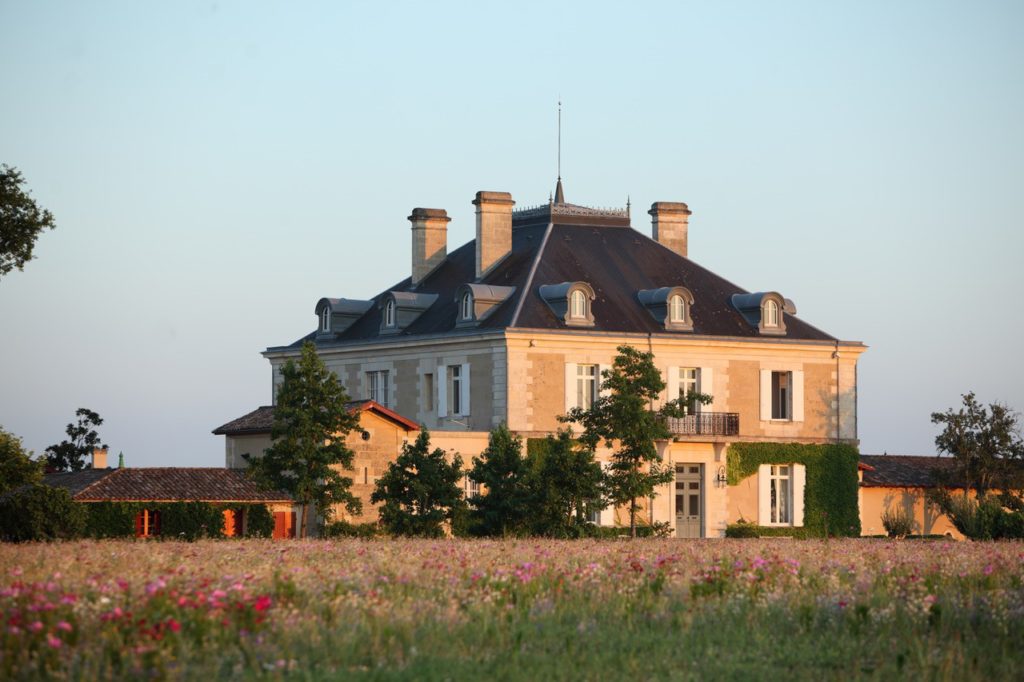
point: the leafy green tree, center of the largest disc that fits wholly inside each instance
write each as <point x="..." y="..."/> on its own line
<point x="17" y="468"/>
<point x="21" y="221"/>
<point x="565" y="484"/>
<point x="72" y="454"/>
<point x="40" y="512"/>
<point x="311" y="421"/>
<point x="986" y="444"/>
<point x="623" y="416"/>
<point x="420" y="490"/>
<point x="504" y="506"/>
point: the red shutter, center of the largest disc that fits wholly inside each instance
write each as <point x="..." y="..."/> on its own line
<point x="279" y="528"/>
<point x="140" y="522"/>
<point x="154" y="523"/>
<point x="291" y="525"/>
<point x="229" y="523"/>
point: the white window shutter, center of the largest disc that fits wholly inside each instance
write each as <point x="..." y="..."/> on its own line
<point x="707" y="385"/>
<point x="672" y="379"/>
<point x="799" y="481"/>
<point x="798" y="396"/>
<point x="441" y="383"/>
<point x="570" y="386"/>
<point x="603" y="392"/>
<point x="764" y="495"/>
<point x="464" y="389"/>
<point x="766" y="395"/>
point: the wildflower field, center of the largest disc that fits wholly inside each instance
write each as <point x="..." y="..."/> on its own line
<point x="512" y="609"/>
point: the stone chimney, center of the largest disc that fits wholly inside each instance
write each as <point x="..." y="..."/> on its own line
<point x="99" y="458"/>
<point x="669" y="224"/>
<point x="429" y="241"/>
<point x="493" y="229"/>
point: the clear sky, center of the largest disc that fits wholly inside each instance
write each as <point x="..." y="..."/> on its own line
<point x="215" y="168"/>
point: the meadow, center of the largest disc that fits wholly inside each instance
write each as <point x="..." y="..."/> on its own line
<point x="513" y="609"/>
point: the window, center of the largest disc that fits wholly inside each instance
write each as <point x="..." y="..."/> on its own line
<point x="771" y="313"/>
<point x="782" y="395"/>
<point x="325" y="319"/>
<point x="389" y="313"/>
<point x="455" y="380"/>
<point x="378" y="386"/>
<point x="689" y="382"/>
<point x="588" y="380"/>
<point x="676" y="309"/>
<point x="780" y="485"/>
<point x="466" y="306"/>
<point x="147" y="523"/>
<point x="578" y="305"/>
<point x="472" y="487"/>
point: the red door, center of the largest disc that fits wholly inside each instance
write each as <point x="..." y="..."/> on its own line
<point x="284" y="525"/>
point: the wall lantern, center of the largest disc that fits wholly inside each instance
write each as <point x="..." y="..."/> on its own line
<point x="720" y="477"/>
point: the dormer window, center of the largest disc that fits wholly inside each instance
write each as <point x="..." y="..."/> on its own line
<point x="764" y="310"/>
<point x="578" y="305"/>
<point x="335" y="315"/>
<point x="572" y="302"/>
<point x="401" y="308"/>
<point x="389" y="313"/>
<point x="325" y="320"/>
<point x="670" y="306"/>
<point x="466" y="307"/>
<point x="771" y="314"/>
<point x="476" y="302"/>
<point x="676" y="309"/>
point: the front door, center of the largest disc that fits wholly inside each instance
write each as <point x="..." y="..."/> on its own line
<point x="689" y="500"/>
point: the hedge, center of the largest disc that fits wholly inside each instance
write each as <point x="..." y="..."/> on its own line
<point x="830" y="495"/>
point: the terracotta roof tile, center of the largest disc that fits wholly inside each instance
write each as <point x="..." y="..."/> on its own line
<point x="176" y="483"/>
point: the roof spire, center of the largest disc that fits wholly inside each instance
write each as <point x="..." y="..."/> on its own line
<point x="559" y="194"/>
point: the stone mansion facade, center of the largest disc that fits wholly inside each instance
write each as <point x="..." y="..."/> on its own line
<point x="517" y="325"/>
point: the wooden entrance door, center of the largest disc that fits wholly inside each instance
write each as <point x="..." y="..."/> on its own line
<point x="689" y="500"/>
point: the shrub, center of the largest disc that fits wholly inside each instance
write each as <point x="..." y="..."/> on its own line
<point x="898" y="523"/>
<point x="344" y="529"/>
<point x="259" y="522"/>
<point x="744" y="529"/>
<point x="190" y="520"/>
<point x="110" y="519"/>
<point x="741" y="529"/>
<point x="39" y="512"/>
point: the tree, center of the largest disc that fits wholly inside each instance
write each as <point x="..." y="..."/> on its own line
<point x="505" y="506"/>
<point x="420" y="490"/>
<point x="311" y="421"/>
<point x="72" y="454"/>
<point x="985" y="443"/>
<point x="989" y="454"/>
<point x="21" y="221"/>
<point x="17" y="468"/>
<point x="40" y="512"/>
<point x="565" y="484"/>
<point x="623" y="415"/>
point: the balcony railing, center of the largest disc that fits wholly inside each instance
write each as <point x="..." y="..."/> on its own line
<point x="705" y="424"/>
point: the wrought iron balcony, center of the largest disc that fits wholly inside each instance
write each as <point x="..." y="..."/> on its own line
<point x="705" y="424"/>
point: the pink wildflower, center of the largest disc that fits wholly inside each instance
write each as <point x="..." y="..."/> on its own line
<point x="64" y="625"/>
<point x="54" y="642"/>
<point x="263" y="603"/>
<point x="36" y="626"/>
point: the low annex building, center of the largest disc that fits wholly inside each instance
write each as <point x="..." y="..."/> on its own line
<point x="174" y="484"/>
<point x="889" y="482"/>
<point x="517" y="325"/>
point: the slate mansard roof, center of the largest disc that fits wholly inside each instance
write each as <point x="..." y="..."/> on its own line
<point x="162" y="484"/>
<point x="568" y="243"/>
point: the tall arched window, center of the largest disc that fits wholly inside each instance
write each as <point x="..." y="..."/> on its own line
<point x="325" y="319"/>
<point x="466" y="311"/>
<point x="578" y="305"/>
<point x="676" y="309"/>
<point x="389" y="313"/>
<point x="771" y="313"/>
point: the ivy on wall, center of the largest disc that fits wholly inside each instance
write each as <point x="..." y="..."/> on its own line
<point x="830" y="495"/>
<point x="178" y="520"/>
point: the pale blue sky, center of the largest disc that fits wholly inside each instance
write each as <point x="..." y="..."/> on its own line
<point x="215" y="168"/>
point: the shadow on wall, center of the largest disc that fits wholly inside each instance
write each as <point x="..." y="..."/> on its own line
<point x="909" y="499"/>
<point x="826" y="413"/>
